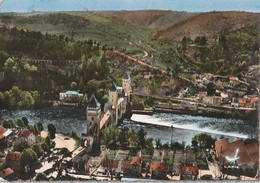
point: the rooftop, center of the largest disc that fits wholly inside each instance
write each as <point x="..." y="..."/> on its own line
<point x="126" y="165"/>
<point x="6" y="172"/>
<point x="24" y="133"/>
<point x="136" y="160"/>
<point x="159" y="165"/>
<point x="191" y="169"/>
<point x="113" y="87"/>
<point x="126" y="76"/>
<point x="93" y="103"/>
<point x="15" y="156"/>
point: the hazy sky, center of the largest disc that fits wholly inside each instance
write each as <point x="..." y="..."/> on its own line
<point x="95" y="5"/>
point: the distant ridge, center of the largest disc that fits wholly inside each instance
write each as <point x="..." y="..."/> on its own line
<point x="208" y="24"/>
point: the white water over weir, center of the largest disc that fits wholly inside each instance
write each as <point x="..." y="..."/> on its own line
<point x="163" y="122"/>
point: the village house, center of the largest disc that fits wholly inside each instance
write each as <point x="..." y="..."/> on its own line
<point x="159" y="170"/>
<point x="110" y="165"/>
<point x="126" y="167"/>
<point x="7" y="174"/>
<point x="248" y="102"/>
<point x="28" y="137"/>
<point x="71" y="97"/>
<point x="212" y="100"/>
<point x="233" y="81"/>
<point x="5" y="136"/>
<point x="136" y="166"/>
<point x="189" y="173"/>
<point x="13" y="161"/>
<point x="189" y="105"/>
<point x="247" y="153"/>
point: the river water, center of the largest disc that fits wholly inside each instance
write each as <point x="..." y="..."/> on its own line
<point x="184" y="127"/>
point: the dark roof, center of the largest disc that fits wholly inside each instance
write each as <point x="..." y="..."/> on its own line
<point x="113" y="87"/>
<point x="126" y="76"/>
<point x="93" y="102"/>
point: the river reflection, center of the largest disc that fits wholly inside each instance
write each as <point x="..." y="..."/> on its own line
<point x="67" y="120"/>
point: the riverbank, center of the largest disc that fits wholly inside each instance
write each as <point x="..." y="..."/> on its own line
<point x="62" y="141"/>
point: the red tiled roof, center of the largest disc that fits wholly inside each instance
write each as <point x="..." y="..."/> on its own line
<point x="248" y="101"/>
<point x="216" y="98"/>
<point x="110" y="163"/>
<point x="6" y="172"/>
<point x="219" y="86"/>
<point x="194" y="170"/>
<point x="202" y="92"/>
<point x="2" y="130"/>
<point x="159" y="165"/>
<point x="136" y="160"/>
<point x="24" y="133"/>
<point x="253" y="150"/>
<point x="253" y="100"/>
<point x="126" y="165"/>
<point x="15" y="156"/>
<point x="233" y="79"/>
<point x="35" y="131"/>
<point x="224" y="148"/>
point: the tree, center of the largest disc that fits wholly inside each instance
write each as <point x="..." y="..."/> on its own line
<point x="38" y="150"/>
<point x="73" y="85"/>
<point x="124" y="137"/>
<point x="211" y="90"/>
<point x="28" y="158"/>
<point x="158" y="143"/>
<point x="45" y="147"/>
<point x="204" y="140"/>
<point x="141" y="138"/>
<point x="20" y="123"/>
<point x="40" y="127"/>
<point x="25" y="121"/>
<point x="19" y="146"/>
<point x="52" y="130"/>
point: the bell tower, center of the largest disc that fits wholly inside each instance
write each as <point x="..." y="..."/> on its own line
<point x="126" y="84"/>
<point x="93" y="117"/>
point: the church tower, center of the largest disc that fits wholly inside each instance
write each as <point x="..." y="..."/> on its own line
<point x="93" y="117"/>
<point x="127" y="86"/>
<point x="113" y="99"/>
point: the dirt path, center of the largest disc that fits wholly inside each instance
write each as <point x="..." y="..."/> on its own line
<point x="61" y="142"/>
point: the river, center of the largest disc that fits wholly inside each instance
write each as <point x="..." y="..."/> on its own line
<point x="184" y="127"/>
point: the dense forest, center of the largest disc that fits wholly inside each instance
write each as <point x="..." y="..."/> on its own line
<point x="24" y="85"/>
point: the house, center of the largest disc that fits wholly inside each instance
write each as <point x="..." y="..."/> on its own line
<point x="126" y="167"/>
<point x="189" y="105"/>
<point x="136" y="166"/>
<point x="212" y="100"/>
<point x="219" y="86"/>
<point x="13" y="161"/>
<point x="249" y="102"/>
<point x="202" y="94"/>
<point x="189" y="173"/>
<point x="7" y="174"/>
<point x="246" y="164"/>
<point x="159" y="170"/>
<point x="71" y="96"/>
<point x="233" y="81"/>
<point x="110" y="164"/>
<point x="28" y="137"/>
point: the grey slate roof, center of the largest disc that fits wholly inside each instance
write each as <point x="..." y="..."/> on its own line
<point x="113" y="87"/>
<point x="93" y="103"/>
<point x="126" y="76"/>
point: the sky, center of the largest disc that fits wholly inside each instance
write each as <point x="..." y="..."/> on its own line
<point x="116" y="5"/>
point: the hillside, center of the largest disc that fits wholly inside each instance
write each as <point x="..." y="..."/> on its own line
<point x="208" y="24"/>
<point x="83" y="26"/>
<point x="156" y="19"/>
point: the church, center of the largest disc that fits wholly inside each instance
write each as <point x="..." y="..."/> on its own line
<point x="114" y="109"/>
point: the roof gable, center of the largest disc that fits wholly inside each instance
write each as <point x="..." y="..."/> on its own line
<point x="126" y="76"/>
<point x="113" y="87"/>
<point x="136" y="160"/>
<point x="160" y="166"/>
<point x="93" y="103"/>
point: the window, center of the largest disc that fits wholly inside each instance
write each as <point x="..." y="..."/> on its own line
<point x="92" y="118"/>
